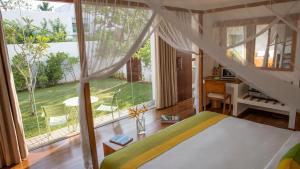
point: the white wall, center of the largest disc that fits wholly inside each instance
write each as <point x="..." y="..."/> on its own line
<point x="261" y="11"/>
<point x="72" y="49"/>
<point x="67" y="47"/>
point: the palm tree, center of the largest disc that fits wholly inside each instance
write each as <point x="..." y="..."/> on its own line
<point x="45" y="6"/>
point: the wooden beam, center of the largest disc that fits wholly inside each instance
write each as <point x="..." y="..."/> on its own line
<point x="294" y="48"/>
<point x="250" y="46"/>
<point x="184" y="10"/>
<point x="256" y="21"/>
<point x="200" y="65"/>
<point x="87" y="97"/>
<point x="126" y="3"/>
<point x="64" y="1"/>
<point x="254" y="4"/>
<point x="138" y="4"/>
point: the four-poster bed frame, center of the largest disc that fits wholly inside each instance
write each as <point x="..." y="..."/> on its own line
<point x="199" y="59"/>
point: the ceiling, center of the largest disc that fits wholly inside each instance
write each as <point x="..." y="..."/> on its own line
<point x="205" y="4"/>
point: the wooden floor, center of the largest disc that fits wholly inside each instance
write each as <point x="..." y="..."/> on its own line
<point x="66" y="154"/>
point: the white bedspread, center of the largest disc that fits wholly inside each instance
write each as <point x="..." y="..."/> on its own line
<point x="230" y="144"/>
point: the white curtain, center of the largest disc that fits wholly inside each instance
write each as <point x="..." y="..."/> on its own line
<point x="178" y="41"/>
<point x="113" y="32"/>
<point x="174" y="37"/>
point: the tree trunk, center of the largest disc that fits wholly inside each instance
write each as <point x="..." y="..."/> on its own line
<point x="30" y="97"/>
<point x="134" y="70"/>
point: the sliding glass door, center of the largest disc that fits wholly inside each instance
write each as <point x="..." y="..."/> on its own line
<point x="128" y="87"/>
<point x="43" y="50"/>
<point x="44" y="58"/>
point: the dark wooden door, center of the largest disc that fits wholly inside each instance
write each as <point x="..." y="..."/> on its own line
<point x="184" y="76"/>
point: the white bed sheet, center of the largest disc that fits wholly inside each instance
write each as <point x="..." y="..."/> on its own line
<point x="230" y="144"/>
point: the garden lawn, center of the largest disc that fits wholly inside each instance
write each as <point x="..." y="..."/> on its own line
<point x="103" y="89"/>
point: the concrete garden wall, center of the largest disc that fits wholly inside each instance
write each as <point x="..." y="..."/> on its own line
<point x="72" y="49"/>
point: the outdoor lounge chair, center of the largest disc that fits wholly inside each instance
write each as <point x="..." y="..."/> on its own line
<point x="55" y="115"/>
<point x="113" y="107"/>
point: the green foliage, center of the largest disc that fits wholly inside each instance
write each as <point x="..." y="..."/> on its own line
<point x="13" y="31"/>
<point x="19" y="79"/>
<point x="54" y="70"/>
<point x="14" y="4"/>
<point x="16" y="31"/>
<point x="119" y="75"/>
<point x="42" y="78"/>
<point x="26" y="59"/>
<point x="72" y="60"/>
<point x="49" y="72"/>
<point x="32" y="42"/>
<point x="45" y="6"/>
<point x="29" y="30"/>
<point x="144" y="54"/>
<point x="58" y="31"/>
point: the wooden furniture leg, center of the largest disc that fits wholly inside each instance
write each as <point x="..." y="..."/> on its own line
<point x="229" y="111"/>
<point x="224" y="105"/>
<point x="205" y="100"/>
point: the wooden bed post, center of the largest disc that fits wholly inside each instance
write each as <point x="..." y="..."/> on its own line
<point x="200" y="63"/>
<point x="87" y="95"/>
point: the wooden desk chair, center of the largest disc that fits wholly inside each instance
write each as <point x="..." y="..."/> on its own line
<point x="216" y="90"/>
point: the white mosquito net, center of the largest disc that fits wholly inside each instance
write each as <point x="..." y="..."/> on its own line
<point x="280" y="26"/>
<point x="112" y="34"/>
<point x="260" y="43"/>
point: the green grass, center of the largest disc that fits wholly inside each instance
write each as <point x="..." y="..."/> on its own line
<point x="103" y="89"/>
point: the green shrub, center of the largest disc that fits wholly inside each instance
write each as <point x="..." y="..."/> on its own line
<point x="20" y="82"/>
<point x="42" y="78"/>
<point x="16" y="30"/>
<point x="49" y="72"/>
<point x="119" y="75"/>
<point x="54" y="70"/>
<point x="144" y="53"/>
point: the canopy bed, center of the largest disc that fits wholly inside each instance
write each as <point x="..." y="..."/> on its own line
<point x="194" y="32"/>
<point x="202" y="29"/>
<point x="109" y="33"/>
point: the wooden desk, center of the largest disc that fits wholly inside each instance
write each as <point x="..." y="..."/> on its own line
<point x="240" y="103"/>
<point x="215" y="104"/>
<point x="217" y="78"/>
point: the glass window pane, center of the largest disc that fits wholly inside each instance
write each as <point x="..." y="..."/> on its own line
<point x="234" y="36"/>
<point x="279" y="48"/>
<point x="261" y="43"/>
<point x="128" y="87"/>
<point x="47" y="88"/>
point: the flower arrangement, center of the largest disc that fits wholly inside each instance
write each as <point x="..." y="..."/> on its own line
<point x="140" y="120"/>
<point x="136" y="113"/>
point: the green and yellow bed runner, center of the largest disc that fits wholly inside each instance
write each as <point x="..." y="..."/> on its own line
<point x="138" y="153"/>
<point x="291" y="160"/>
